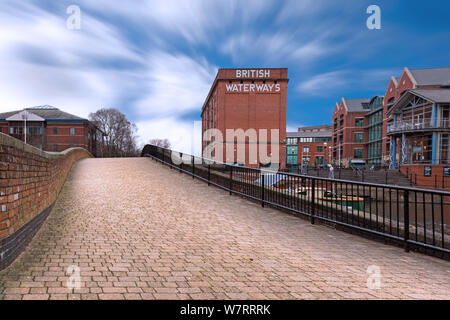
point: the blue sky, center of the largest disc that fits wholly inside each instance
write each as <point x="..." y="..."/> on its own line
<point x="156" y="60"/>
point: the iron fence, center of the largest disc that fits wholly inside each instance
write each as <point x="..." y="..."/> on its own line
<point x="409" y="216"/>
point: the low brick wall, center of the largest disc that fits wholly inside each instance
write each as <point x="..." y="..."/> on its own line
<point x="436" y="180"/>
<point x="30" y="181"/>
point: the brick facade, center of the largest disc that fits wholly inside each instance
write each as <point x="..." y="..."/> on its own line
<point x="309" y="146"/>
<point x="343" y="134"/>
<point x="436" y="179"/>
<point x="58" y="130"/>
<point x="30" y="181"/>
<point x="247" y="99"/>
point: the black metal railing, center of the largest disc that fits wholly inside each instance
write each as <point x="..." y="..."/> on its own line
<point x="410" y="216"/>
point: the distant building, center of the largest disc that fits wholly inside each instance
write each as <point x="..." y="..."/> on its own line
<point x="374" y="132"/>
<point x="309" y="146"/>
<point x="51" y="129"/>
<point x="251" y="100"/>
<point x="349" y="132"/>
<point x="423" y="79"/>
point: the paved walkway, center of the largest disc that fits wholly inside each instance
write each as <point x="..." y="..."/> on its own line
<point x="138" y="230"/>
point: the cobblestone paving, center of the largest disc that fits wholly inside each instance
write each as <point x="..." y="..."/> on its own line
<point x="139" y="230"/>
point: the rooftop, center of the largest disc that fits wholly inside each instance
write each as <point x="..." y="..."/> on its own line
<point x="432" y="76"/>
<point x="46" y="112"/>
<point x="309" y="134"/>
<point x="358" y="105"/>
<point x="322" y="127"/>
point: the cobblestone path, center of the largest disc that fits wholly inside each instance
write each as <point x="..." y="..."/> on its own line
<point x="138" y="230"/>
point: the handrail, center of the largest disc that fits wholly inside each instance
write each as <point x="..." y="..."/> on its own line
<point x="412" y="216"/>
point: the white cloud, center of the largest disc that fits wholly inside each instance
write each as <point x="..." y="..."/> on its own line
<point x="324" y="83"/>
<point x="271" y="47"/>
<point x="184" y="135"/>
<point x="342" y="81"/>
<point x="175" y="84"/>
<point x="43" y="62"/>
<point x="196" y="21"/>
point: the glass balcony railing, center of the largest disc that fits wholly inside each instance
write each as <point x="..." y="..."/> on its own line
<point x="417" y="125"/>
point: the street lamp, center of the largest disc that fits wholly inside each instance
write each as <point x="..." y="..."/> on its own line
<point x="24" y="117"/>
<point x="324" y="154"/>
<point x="329" y="154"/>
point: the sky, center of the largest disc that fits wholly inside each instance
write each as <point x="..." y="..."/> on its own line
<point x="156" y="60"/>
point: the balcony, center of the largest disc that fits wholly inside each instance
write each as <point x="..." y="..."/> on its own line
<point x="405" y="126"/>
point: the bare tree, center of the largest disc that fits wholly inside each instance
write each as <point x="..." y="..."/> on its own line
<point x="121" y="138"/>
<point x="163" y="143"/>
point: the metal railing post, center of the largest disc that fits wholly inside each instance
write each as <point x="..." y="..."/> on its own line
<point x="181" y="162"/>
<point x="209" y="174"/>
<point x="231" y="179"/>
<point x="313" y="197"/>
<point x="406" y="219"/>
<point x="170" y="163"/>
<point x="193" y="167"/>
<point x="262" y="190"/>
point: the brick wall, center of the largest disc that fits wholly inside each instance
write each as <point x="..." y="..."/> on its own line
<point x="416" y="172"/>
<point x="30" y="181"/>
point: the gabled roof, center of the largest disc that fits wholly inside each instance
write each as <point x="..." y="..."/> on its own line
<point x="357" y="105"/>
<point x="45" y="112"/>
<point x="432" y="95"/>
<point x="431" y="76"/>
<point x="24" y="115"/>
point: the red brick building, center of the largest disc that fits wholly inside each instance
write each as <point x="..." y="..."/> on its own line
<point x="253" y="100"/>
<point x="309" y="146"/>
<point x="418" y="125"/>
<point x="349" y="135"/>
<point x="51" y="129"/>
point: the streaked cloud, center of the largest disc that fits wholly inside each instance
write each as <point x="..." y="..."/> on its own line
<point x="156" y="60"/>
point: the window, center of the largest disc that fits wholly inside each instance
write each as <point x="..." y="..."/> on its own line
<point x="11" y="130"/>
<point x="291" y="159"/>
<point x="72" y="131"/>
<point x="305" y="149"/>
<point x="292" y="150"/>
<point x="319" y="148"/>
<point x="55" y="147"/>
<point x="357" y="153"/>
<point x="359" y="122"/>
<point x="34" y="130"/>
<point x="305" y="160"/>
<point x="318" y="161"/>
<point x="291" y="141"/>
<point x="358" y="137"/>
<point x="55" y="130"/>
<point x="445" y="148"/>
